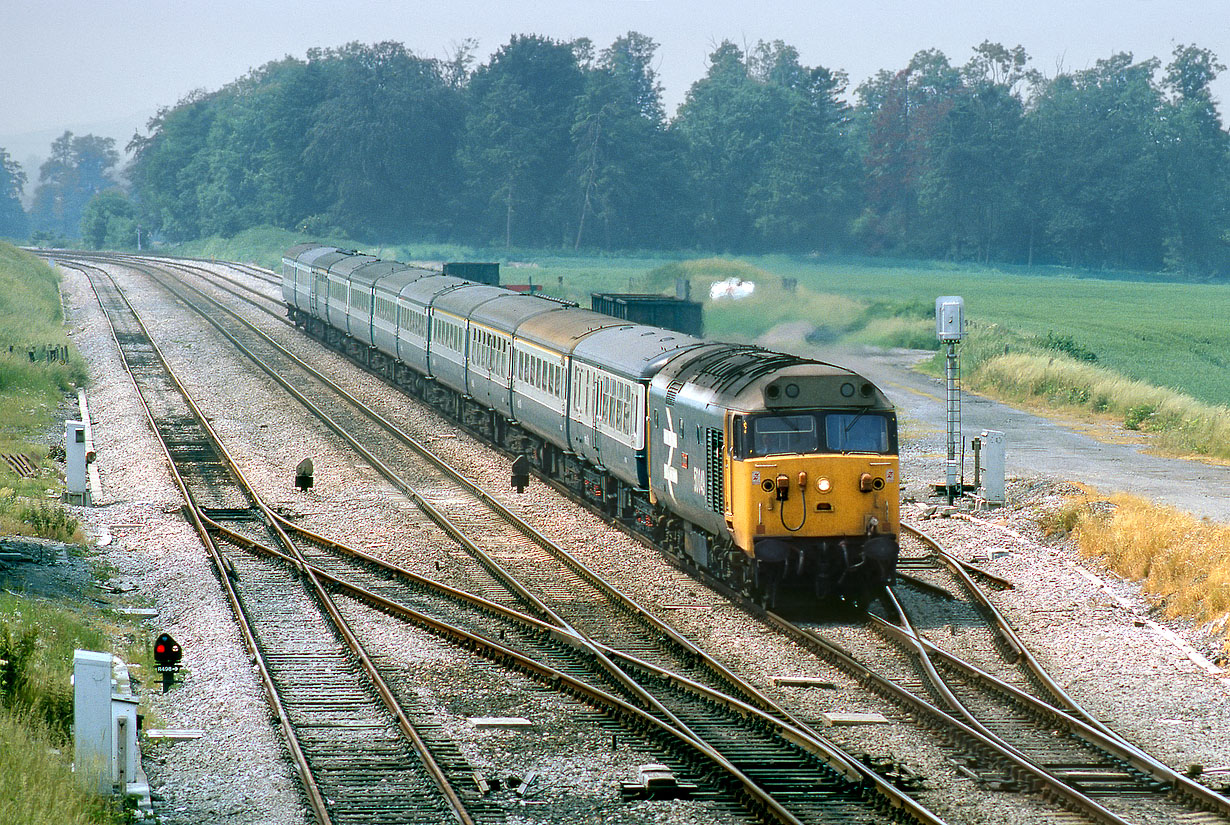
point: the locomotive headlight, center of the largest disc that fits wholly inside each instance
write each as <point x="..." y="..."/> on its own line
<point x="824" y="485"/>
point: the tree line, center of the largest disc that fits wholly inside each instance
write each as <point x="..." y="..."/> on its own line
<point x="562" y="145"/>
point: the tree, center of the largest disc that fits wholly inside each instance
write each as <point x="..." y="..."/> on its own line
<point x="807" y="194"/>
<point x="969" y="200"/>
<point x="1195" y="158"/>
<point x="13" y="221"/>
<point x="78" y="169"/>
<point x="1092" y="176"/>
<point x="168" y="164"/>
<point x="729" y="124"/>
<point x="627" y="191"/>
<point x="382" y="143"/>
<point x="899" y="114"/>
<point x="110" y="221"/>
<point x="516" y="147"/>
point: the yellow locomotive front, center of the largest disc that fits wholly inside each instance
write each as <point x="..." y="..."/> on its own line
<point x="775" y="473"/>
<point x="813" y="491"/>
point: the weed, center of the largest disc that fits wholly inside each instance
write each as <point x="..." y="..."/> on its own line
<point x="16" y="648"/>
<point x="1066" y="345"/>
<point x="1063" y="519"/>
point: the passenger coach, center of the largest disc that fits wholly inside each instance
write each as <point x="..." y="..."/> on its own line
<point x="773" y="472"/>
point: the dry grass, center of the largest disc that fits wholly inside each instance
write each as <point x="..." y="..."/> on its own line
<point x="1182" y="562"/>
<point x="1181" y="424"/>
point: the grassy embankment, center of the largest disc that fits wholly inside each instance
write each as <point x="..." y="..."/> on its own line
<point x="37" y="637"/>
<point x="31" y="392"/>
<point x="1182" y="563"/>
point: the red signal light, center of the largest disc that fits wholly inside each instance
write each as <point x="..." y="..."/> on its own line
<point x="167" y="651"/>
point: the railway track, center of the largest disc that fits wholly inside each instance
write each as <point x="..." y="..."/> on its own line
<point x="1033" y="714"/>
<point x="1022" y="734"/>
<point x="1095" y="772"/>
<point x="358" y="758"/>
<point x="820" y="784"/>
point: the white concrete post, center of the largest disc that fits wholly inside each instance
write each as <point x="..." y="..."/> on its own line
<point x="125" y="753"/>
<point x="93" y="725"/>
<point x="78" y="484"/>
<point x="993" y="460"/>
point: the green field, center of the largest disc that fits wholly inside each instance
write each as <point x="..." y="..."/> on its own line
<point x="1167" y="334"/>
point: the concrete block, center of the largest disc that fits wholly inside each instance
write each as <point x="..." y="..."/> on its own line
<point x="849" y="719"/>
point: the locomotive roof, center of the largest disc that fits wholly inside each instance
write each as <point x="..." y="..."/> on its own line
<point x="750" y="378"/>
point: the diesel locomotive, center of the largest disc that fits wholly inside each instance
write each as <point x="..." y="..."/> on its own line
<point x="774" y="473"/>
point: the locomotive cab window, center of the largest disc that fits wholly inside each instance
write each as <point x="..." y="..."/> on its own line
<point x="779" y="434"/>
<point x="856" y="433"/>
<point x="811" y="432"/>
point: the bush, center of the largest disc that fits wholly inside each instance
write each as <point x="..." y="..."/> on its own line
<point x="49" y="521"/>
<point x="1138" y="415"/>
<point x="1068" y="346"/>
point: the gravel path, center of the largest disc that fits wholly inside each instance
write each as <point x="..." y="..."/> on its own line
<point x="1138" y="681"/>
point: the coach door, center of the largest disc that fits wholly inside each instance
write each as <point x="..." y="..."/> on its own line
<point x="320" y="293"/>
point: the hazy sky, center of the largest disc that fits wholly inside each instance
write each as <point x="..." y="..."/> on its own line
<point x="106" y="65"/>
